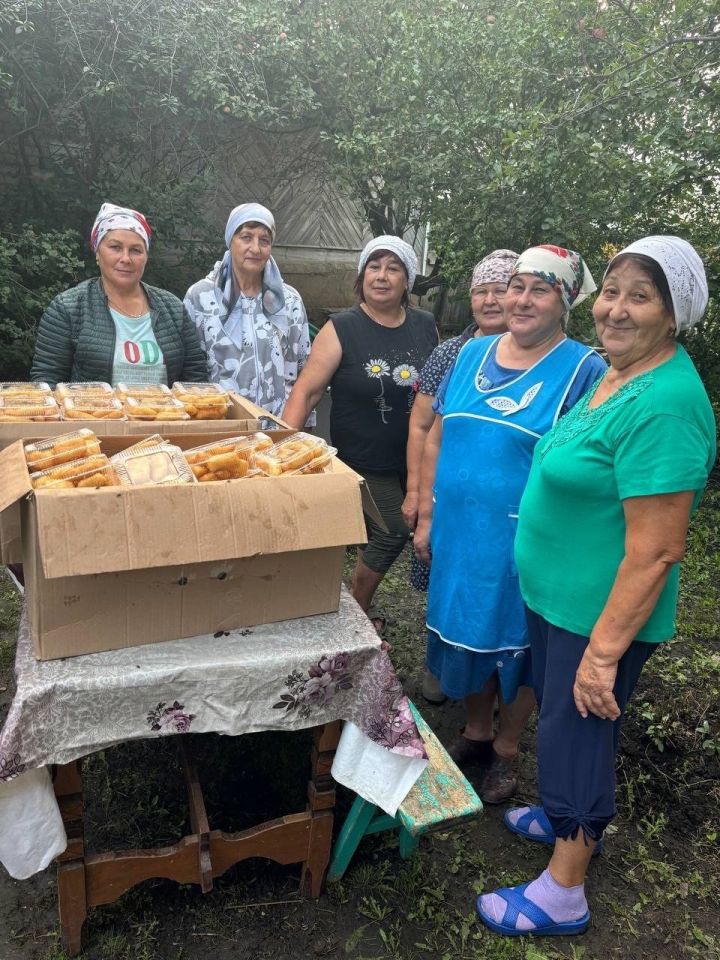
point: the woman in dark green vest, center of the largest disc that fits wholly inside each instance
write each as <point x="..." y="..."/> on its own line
<point x="115" y="328"/>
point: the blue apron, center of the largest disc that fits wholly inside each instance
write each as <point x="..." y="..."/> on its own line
<point x="489" y="434"/>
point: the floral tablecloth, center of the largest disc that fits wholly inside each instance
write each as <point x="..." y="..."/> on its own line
<point x="280" y="676"/>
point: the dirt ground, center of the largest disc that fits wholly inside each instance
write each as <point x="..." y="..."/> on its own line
<point x="653" y="893"/>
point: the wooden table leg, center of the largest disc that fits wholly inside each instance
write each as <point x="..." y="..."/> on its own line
<point x="72" y="891"/>
<point x="321" y="804"/>
<point x="198" y="814"/>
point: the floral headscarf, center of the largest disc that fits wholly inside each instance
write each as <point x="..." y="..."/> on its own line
<point x="684" y="272"/>
<point x="565" y="270"/>
<point x="496" y="267"/>
<point x="112" y="217"/>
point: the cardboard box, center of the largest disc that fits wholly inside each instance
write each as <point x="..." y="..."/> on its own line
<point x="122" y="566"/>
<point x="244" y="415"/>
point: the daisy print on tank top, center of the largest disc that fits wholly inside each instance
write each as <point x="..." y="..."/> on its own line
<point x="403" y="374"/>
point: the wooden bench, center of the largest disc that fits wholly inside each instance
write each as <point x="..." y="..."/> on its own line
<point x="440" y="794"/>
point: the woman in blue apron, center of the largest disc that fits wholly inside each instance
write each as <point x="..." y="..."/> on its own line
<point x="502" y="395"/>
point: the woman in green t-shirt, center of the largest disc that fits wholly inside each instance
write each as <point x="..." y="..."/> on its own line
<point x="601" y="532"/>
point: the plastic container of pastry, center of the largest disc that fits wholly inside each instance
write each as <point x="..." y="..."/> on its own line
<point x="229" y="459"/>
<point x="88" y="473"/>
<point x="155" y="408"/>
<point x="151" y="441"/>
<point x="162" y="464"/>
<point x="20" y="388"/>
<point x="141" y="390"/>
<point x="291" y="455"/>
<point x="90" y="388"/>
<point x="14" y="409"/>
<point x="43" y="454"/>
<point x="321" y="464"/>
<point x="84" y="407"/>
<point x="203" y="401"/>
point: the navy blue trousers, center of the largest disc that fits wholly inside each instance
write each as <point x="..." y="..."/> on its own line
<point x="576" y="756"/>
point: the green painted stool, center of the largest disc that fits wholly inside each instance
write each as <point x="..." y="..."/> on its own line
<point x="440" y="793"/>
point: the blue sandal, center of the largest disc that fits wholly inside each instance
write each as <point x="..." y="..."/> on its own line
<point x="518" y="903"/>
<point x="537" y="815"/>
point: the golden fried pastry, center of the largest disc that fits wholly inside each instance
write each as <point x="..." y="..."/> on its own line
<point x="226" y="459"/>
<point x="91" y="388"/>
<point x="44" y="454"/>
<point x="27" y="389"/>
<point x="79" y="407"/>
<point x="164" y="407"/>
<point x="92" y="471"/>
<point x="14" y="409"/>
<point x="202" y="401"/>
<point x="291" y="455"/>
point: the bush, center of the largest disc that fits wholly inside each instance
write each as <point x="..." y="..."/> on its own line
<point x="34" y="267"/>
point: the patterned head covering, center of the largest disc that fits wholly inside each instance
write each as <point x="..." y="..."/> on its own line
<point x="496" y="267"/>
<point x="684" y="272"/>
<point x="565" y="270"/>
<point x="273" y="293"/>
<point x="112" y="217"/>
<point x="403" y="251"/>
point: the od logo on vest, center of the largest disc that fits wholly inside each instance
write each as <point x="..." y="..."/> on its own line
<point x="145" y="351"/>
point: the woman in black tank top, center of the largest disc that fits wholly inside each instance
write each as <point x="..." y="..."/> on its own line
<point x="370" y="356"/>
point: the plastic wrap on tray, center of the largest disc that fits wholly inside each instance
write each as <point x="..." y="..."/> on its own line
<point x="155" y="408"/>
<point x="86" y="474"/>
<point x="16" y="409"/>
<point x="141" y="390"/>
<point x="43" y="454"/>
<point x="203" y="401"/>
<point x="89" y="388"/>
<point x="229" y="459"/>
<point x="292" y="455"/>
<point x="20" y="388"/>
<point x="84" y="407"/>
<point x="320" y="464"/>
<point x="162" y="464"/>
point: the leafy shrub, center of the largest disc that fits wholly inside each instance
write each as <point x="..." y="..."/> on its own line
<point x="35" y="266"/>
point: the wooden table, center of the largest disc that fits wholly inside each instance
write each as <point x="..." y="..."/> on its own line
<point x="92" y="879"/>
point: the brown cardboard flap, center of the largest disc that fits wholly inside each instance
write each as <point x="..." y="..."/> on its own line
<point x="246" y="407"/>
<point x="15" y="479"/>
<point x="133" y="528"/>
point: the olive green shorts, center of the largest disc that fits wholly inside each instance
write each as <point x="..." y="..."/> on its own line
<point x="388" y="492"/>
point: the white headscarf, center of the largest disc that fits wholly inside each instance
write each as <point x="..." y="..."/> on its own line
<point x="684" y="272"/>
<point x="273" y="293"/>
<point x="403" y="251"/>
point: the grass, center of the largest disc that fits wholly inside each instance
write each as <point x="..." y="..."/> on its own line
<point x="654" y="892"/>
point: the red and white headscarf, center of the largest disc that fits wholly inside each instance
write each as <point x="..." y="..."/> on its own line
<point x="563" y="269"/>
<point x="112" y="217"/>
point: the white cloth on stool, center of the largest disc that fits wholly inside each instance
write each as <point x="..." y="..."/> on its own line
<point x="376" y="774"/>
<point x="37" y="834"/>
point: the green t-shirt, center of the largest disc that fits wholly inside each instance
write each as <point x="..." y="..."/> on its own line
<point x="137" y="358"/>
<point x="655" y="435"/>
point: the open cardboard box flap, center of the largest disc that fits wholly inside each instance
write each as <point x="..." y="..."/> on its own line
<point x="83" y="532"/>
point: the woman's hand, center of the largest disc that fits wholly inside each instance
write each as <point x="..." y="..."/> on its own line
<point x="594" y="683"/>
<point x="421" y="542"/>
<point x="409" y="509"/>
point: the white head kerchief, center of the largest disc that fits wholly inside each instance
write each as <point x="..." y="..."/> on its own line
<point x="684" y="272"/>
<point x="403" y="251"/>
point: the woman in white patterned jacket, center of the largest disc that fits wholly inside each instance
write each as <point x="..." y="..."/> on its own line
<point x="252" y="325"/>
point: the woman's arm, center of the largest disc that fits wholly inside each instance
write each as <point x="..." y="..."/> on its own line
<point x="54" y="347"/>
<point x="314" y="378"/>
<point x="421" y="421"/>
<point x="656" y="528"/>
<point x="431" y="451"/>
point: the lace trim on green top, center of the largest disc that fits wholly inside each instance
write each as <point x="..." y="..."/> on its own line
<point x="581" y="418"/>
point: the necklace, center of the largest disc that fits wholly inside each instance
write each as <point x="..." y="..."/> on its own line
<point x="123" y="310"/>
<point x="398" y="323"/>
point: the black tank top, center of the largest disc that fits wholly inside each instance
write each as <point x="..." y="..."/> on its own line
<point x="374" y="387"/>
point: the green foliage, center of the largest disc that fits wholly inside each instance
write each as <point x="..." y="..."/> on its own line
<point x="34" y="267"/>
